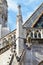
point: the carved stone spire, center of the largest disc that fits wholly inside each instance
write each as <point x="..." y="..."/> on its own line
<point x="19" y="33"/>
<point x="19" y="9"/>
<point x="19" y="15"/>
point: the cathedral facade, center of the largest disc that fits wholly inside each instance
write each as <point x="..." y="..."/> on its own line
<point x="24" y="45"/>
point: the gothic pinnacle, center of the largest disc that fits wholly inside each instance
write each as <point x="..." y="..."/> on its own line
<point x="19" y="9"/>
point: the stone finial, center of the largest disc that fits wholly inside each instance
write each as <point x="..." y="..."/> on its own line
<point x="19" y="9"/>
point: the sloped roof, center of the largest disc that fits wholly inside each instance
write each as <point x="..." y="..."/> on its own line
<point x="33" y="18"/>
<point x="39" y="22"/>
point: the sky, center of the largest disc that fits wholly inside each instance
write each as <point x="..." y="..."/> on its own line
<point x="27" y="8"/>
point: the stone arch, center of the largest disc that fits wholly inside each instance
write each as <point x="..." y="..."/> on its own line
<point x="35" y="34"/>
<point x="41" y="63"/>
<point x="39" y="35"/>
<point x="31" y="34"/>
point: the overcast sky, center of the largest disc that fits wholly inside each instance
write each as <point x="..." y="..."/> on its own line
<point x="27" y="7"/>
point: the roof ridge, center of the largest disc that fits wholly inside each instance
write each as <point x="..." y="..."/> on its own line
<point x="34" y="12"/>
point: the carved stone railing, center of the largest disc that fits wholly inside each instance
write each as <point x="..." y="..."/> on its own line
<point x="35" y="33"/>
<point x="7" y="42"/>
<point x="2" y="50"/>
<point x="34" y="36"/>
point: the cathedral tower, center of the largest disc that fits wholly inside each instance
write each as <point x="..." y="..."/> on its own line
<point x="3" y="13"/>
<point x="3" y="18"/>
<point x="4" y="30"/>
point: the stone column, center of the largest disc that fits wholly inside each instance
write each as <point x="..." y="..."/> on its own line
<point x="0" y="35"/>
<point x="33" y="34"/>
<point x="41" y="33"/>
<point x="0" y="30"/>
<point x="37" y="35"/>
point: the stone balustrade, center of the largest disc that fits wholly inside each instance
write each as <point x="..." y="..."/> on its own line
<point x="8" y="42"/>
<point x="35" y="33"/>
